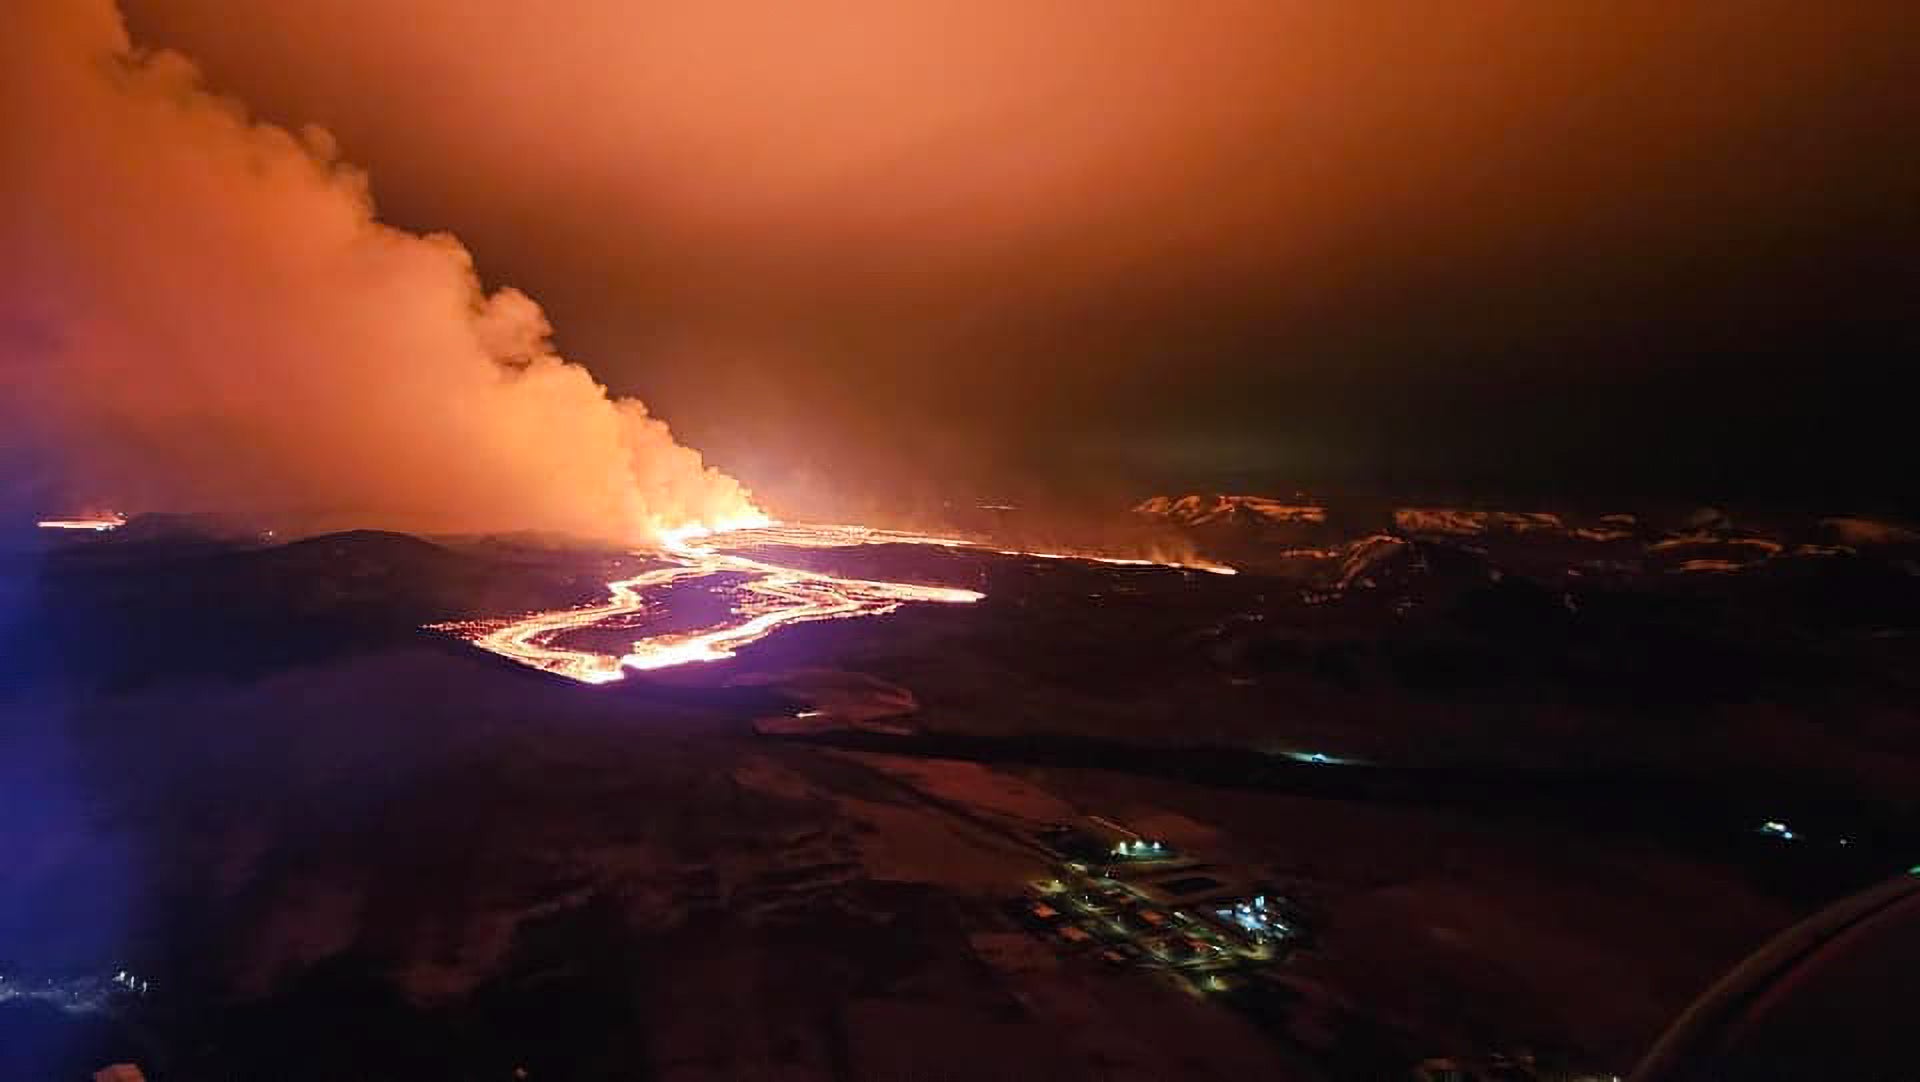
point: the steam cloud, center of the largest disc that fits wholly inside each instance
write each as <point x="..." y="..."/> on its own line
<point x="200" y="311"/>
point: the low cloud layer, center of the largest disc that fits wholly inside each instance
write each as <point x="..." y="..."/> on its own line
<point x="200" y="311"/>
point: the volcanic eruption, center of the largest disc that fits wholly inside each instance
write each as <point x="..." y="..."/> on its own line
<point x="201" y="311"/>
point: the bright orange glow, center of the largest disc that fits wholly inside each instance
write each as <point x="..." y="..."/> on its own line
<point x="775" y="597"/>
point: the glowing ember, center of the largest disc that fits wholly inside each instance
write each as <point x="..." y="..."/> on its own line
<point x="96" y="523"/>
<point x="775" y="596"/>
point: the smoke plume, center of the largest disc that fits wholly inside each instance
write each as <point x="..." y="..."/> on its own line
<point x="199" y="311"/>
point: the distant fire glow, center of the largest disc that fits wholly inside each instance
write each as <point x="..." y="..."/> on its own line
<point x="1212" y="569"/>
<point x="773" y="597"/>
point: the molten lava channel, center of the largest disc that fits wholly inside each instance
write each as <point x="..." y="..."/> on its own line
<point x="96" y="523"/>
<point x="773" y="597"/>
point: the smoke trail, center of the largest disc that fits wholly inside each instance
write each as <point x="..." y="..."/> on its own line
<point x="200" y="311"/>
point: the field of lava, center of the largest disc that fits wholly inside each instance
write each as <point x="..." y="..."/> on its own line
<point x="260" y="762"/>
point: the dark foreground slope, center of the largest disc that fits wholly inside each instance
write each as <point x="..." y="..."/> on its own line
<point x="331" y="845"/>
<point x="158" y="604"/>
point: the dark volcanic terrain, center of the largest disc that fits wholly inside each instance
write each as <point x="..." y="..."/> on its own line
<point x="1515" y="768"/>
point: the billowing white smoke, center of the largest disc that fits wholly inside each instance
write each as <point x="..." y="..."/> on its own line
<point x="199" y="311"/>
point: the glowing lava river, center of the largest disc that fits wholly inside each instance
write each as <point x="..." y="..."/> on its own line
<point x="773" y="596"/>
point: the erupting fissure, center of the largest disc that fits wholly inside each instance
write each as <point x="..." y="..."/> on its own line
<point x="774" y="596"/>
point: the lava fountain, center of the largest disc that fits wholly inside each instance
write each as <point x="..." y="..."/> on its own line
<point x="774" y="596"/>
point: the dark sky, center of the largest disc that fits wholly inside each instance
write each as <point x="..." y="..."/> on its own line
<point x="1524" y="250"/>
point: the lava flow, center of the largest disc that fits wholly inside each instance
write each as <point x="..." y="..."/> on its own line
<point x="774" y="597"/>
<point x="96" y="523"/>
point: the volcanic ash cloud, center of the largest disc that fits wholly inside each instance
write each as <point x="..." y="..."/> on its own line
<point x="200" y="311"/>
